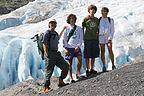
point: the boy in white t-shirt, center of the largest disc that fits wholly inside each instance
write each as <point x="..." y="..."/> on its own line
<point x="106" y="32"/>
<point x="72" y="44"/>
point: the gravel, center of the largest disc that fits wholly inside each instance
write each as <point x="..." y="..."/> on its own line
<point x="127" y="80"/>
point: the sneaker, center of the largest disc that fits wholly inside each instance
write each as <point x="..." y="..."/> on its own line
<point x="104" y="69"/>
<point x="93" y="71"/>
<point x="78" y="77"/>
<point x="87" y="73"/>
<point x="72" y="81"/>
<point x="113" y="67"/>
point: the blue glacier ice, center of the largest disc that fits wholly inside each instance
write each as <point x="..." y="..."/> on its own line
<point x="9" y="22"/>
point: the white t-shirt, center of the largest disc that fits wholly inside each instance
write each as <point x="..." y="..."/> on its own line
<point x="75" y="40"/>
<point x="106" y="28"/>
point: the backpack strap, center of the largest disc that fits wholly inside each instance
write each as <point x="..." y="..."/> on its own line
<point x="49" y="33"/>
<point x="71" y="32"/>
<point x="108" y="19"/>
<point x="100" y="19"/>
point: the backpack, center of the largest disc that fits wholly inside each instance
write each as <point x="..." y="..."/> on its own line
<point x="39" y="38"/>
<point x="108" y="19"/>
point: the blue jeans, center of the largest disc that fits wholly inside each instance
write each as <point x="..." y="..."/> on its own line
<point x="54" y="58"/>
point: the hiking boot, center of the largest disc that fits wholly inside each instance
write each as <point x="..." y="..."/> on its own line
<point x="93" y="71"/>
<point x="113" y="67"/>
<point x="87" y="73"/>
<point x="60" y="82"/>
<point x="46" y="89"/>
<point x="104" y="69"/>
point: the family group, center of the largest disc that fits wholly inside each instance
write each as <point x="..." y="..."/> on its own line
<point x="95" y="33"/>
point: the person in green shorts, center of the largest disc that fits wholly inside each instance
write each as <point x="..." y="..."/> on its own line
<point x="91" y="44"/>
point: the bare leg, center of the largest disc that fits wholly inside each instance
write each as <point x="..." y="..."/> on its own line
<point x="109" y="45"/>
<point x="103" y="54"/>
<point x="92" y="63"/>
<point x="70" y="68"/>
<point x="87" y="63"/>
<point x="79" y="64"/>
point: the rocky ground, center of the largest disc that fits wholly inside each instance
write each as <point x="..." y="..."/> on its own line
<point x="127" y="80"/>
<point x="6" y="6"/>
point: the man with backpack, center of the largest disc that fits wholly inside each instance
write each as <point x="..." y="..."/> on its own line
<point x="73" y="37"/>
<point x="106" y="32"/>
<point x="53" y="57"/>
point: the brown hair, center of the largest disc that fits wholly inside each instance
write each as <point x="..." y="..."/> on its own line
<point x="92" y="7"/>
<point x="105" y="9"/>
<point x="68" y="18"/>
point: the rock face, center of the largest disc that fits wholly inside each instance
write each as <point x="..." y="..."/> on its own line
<point x="6" y="6"/>
<point x="127" y="80"/>
<point x="5" y="10"/>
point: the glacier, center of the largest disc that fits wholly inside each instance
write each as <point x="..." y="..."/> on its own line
<point x="19" y="57"/>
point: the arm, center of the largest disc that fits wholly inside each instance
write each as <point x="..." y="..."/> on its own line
<point x="66" y="51"/>
<point x="44" y="41"/>
<point x="45" y="49"/>
<point x="62" y="31"/>
<point x="83" y="27"/>
<point x="111" y="30"/>
<point x="80" y="36"/>
<point x="83" y="33"/>
<point x="65" y="37"/>
<point x="88" y="17"/>
<point x="65" y="42"/>
<point x="80" y="39"/>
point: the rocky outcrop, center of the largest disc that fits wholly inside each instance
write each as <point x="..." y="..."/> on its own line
<point x="5" y="10"/>
<point x="6" y="6"/>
